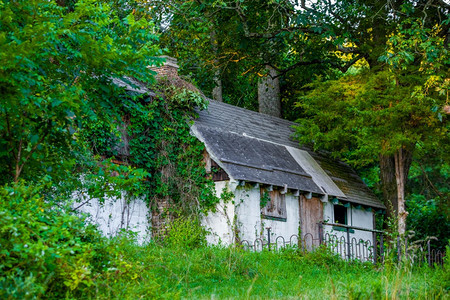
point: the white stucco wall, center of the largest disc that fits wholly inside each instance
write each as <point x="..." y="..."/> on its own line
<point x="252" y="226"/>
<point x="116" y="214"/>
<point x="248" y="213"/>
<point x="355" y="217"/>
<point x="288" y="228"/>
<point x="220" y="222"/>
<point x="243" y="217"/>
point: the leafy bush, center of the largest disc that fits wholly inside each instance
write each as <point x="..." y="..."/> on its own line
<point x="185" y="232"/>
<point x="45" y="251"/>
<point x="427" y="219"/>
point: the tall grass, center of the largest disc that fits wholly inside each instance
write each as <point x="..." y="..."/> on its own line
<point x="152" y="271"/>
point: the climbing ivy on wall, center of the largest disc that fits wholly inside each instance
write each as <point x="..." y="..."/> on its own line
<point x="159" y="142"/>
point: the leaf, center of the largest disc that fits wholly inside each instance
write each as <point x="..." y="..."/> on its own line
<point x="56" y="102"/>
<point x="130" y="20"/>
<point x="34" y="138"/>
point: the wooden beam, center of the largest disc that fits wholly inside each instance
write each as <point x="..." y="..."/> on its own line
<point x="308" y="195"/>
<point x="296" y="193"/>
<point x="269" y="188"/>
<point x="284" y="190"/>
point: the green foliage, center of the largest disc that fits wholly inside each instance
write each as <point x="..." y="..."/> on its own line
<point x="429" y="195"/>
<point x="56" y="68"/>
<point x="371" y="114"/>
<point x="161" y="146"/>
<point x="233" y="41"/>
<point x="446" y="279"/>
<point x="45" y="252"/>
<point x="186" y="233"/>
<point x="264" y="200"/>
<point x="426" y="219"/>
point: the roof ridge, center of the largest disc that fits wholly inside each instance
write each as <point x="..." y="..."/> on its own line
<point x="250" y="111"/>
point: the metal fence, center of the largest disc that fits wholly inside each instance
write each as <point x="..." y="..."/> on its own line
<point x="346" y="245"/>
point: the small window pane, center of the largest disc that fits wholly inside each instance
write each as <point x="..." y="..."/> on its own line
<point x="340" y="214"/>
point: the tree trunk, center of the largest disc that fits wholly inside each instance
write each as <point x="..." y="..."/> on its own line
<point x="269" y="93"/>
<point x="393" y="174"/>
<point x="217" y="90"/>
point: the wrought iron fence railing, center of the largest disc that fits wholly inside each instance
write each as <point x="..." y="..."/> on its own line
<point x="343" y="240"/>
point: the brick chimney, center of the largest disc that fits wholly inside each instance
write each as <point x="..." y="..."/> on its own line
<point x="169" y="69"/>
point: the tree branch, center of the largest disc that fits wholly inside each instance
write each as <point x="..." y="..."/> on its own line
<point x="18" y="169"/>
<point x="32" y="150"/>
<point x="429" y="181"/>
<point x="348" y="49"/>
<point x="292" y="67"/>
<point x="267" y="35"/>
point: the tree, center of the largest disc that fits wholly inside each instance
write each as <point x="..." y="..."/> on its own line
<point x="381" y="114"/>
<point x="57" y="63"/>
<point x="246" y="40"/>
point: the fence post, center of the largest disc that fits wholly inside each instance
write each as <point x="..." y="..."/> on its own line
<point x="375" y="246"/>
<point x="268" y="236"/>
<point x="382" y="248"/>
<point x="406" y="247"/>
<point x="399" y="250"/>
<point x="320" y="234"/>
<point x="429" y="253"/>
<point x="348" y="244"/>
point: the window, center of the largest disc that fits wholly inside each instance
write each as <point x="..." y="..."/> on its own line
<point x="273" y="205"/>
<point x="340" y="214"/>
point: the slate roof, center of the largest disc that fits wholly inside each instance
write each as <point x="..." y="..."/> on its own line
<point x="258" y="148"/>
<point x="132" y="85"/>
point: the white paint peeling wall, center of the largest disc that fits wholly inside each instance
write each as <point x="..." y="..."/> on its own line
<point x="250" y="224"/>
<point x="244" y="218"/>
<point x="220" y="223"/>
<point x="116" y="214"/>
<point x="248" y="213"/>
<point x="288" y="228"/>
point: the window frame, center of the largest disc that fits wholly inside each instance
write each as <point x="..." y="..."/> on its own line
<point x="277" y="200"/>
<point x="345" y="214"/>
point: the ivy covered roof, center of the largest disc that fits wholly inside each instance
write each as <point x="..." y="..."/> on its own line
<point x="259" y="148"/>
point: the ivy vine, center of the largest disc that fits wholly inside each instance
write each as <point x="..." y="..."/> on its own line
<point x="157" y="139"/>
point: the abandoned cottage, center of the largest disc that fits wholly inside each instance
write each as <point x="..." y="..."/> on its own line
<point x="276" y="184"/>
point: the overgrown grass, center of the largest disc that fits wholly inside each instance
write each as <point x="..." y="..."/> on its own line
<point x="50" y="253"/>
<point x="155" y="272"/>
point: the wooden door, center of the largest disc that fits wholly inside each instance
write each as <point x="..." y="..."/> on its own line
<point x="311" y="213"/>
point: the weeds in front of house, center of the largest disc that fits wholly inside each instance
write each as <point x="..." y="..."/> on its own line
<point x="49" y="253"/>
<point x="207" y="272"/>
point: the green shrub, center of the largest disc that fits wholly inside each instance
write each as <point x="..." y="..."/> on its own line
<point x="185" y="232"/>
<point x="44" y="251"/>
